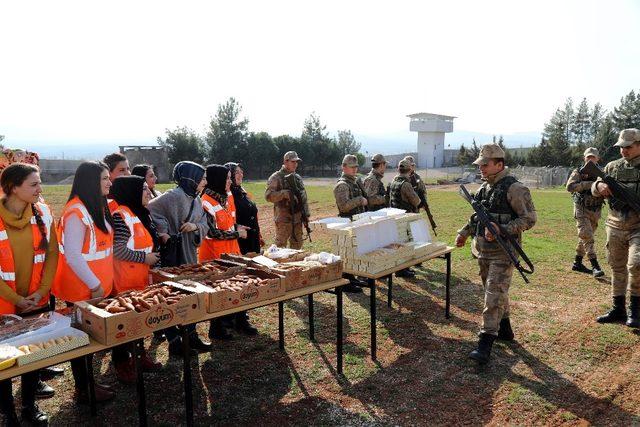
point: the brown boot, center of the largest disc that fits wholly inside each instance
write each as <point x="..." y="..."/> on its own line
<point x="125" y="372"/>
<point x="148" y="365"/>
<point x="102" y="395"/>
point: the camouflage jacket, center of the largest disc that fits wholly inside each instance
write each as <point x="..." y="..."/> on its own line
<point x="349" y="194"/>
<point x="418" y="185"/>
<point x="376" y="195"/>
<point x="581" y="191"/>
<point x="276" y="194"/>
<point x="519" y="199"/>
<point x="402" y="194"/>
<point x="626" y="173"/>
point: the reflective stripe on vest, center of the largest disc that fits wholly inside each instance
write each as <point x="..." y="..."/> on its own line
<point x="131" y="220"/>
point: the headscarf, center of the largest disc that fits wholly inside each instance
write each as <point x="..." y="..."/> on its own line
<point x="232" y="167"/>
<point x="127" y="191"/>
<point x="217" y="179"/>
<point x="188" y="175"/>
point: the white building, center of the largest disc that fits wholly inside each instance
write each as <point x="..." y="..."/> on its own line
<point x="431" y="129"/>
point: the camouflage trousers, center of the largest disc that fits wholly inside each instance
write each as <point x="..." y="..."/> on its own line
<point x="496" y="279"/>
<point x="623" y="254"/>
<point x="284" y="232"/>
<point x="587" y="223"/>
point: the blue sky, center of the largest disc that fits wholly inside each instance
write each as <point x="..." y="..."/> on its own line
<point x="78" y="73"/>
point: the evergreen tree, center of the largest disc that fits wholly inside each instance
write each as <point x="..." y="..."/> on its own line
<point x="474" y="151"/>
<point x="581" y="126"/>
<point x="183" y="143"/>
<point x="596" y="120"/>
<point x="463" y="156"/>
<point x="227" y="135"/>
<point x="627" y="115"/>
<point x="347" y="143"/>
<point x="557" y="137"/>
<point x="263" y="152"/>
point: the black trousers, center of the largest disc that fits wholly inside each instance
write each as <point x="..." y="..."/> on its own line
<point x="29" y="385"/>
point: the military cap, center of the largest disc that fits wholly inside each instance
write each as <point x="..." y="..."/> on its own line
<point x="291" y="155"/>
<point x="591" y="151"/>
<point x="350" y="161"/>
<point x="628" y="137"/>
<point x="488" y="152"/>
<point x="410" y="159"/>
<point x="404" y="164"/>
<point x="378" y="158"/>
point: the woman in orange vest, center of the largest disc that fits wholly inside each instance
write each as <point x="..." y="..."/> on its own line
<point x="85" y="261"/>
<point x="28" y="258"/>
<point x="222" y="236"/>
<point x="135" y="237"/>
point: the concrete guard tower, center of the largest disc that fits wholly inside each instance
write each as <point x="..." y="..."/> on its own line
<point x="431" y="129"/>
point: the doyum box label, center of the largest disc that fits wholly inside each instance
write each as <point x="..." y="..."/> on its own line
<point x="160" y="316"/>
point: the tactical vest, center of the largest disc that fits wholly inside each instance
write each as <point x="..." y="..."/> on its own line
<point x="395" y="193"/>
<point x="629" y="177"/>
<point x="587" y="200"/>
<point x="355" y="191"/>
<point x="381" y="192"/>
<point x="495" y="201"/>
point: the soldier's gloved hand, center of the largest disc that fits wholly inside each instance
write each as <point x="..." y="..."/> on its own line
<point x="488" y="236"/>
<point x="603" y="189"/>
<point x="460" y="240"/>
<point x="286" y="194"/>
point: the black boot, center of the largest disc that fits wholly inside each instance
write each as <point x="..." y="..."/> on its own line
<point x="482" y="353"/>
<point x="505" y="333"/>
<point x="633" y="321"/>
<point x="406" y="272"/>
<point x="243" y="325"/>
<point x="35" y="416"/>
<point x="47" y="374"/>
<point x="198" y="345"/>
<point x="217" y="331"/>
<point x="597" y="271"/>
<point x="9" y="412"/>
<point x="44" y="391"/>
<point x="617" y="314"/>
<point x="579" y="266"/>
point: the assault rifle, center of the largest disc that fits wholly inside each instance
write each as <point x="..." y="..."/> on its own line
<point x="503" y="238"/>
<point x="621" y="197"/>
<point x="297" y="204"/>
<point x="425" y="205"/>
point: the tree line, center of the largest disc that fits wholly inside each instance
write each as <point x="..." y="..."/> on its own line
<point x="228" y="138"/>
<point x="570" y="131"/>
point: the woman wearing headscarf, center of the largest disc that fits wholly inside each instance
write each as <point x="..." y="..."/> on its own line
<point x="147" y="172"/>
<point x="246" y="211"/>
<point x="179" y="212"/>
<point x="222" y="238"/>
<point x="135" y="238"/>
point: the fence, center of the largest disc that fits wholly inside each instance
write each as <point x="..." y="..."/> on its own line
<point x="541" y="176"/>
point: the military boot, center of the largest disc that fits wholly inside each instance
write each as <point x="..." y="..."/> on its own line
<point x="597" y="271"/>
<point x="505" y="333"/>
<point x="482" y="353"/>
<point x="633" y="321"/>
<point x="617" y="314"/>
<point x="579" y="266"/>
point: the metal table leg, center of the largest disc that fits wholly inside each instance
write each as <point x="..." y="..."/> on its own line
<point x="390" y="290"/>
<point x="372" y="303"/>
<point x="188" y="392"/>
<point x="339" y="330"/>
<point x="137" y="349"/>
<point x="447" y="303"/>
<point x="312" y="331"/>
<point x="88" y="363"/>
<point x="281" y="324"/>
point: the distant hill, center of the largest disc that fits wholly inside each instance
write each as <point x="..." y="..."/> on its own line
<point x="89" y="150"/>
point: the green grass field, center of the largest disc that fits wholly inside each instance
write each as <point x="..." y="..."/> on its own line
<point x="563" y="368"/>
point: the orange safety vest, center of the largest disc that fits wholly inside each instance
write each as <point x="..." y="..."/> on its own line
<point x="7" y="263"/>
<point x="132" y="275"/>
<point x="213" y="248"/>
<point x="113" y="205"/>
<point x="97" y="251"/>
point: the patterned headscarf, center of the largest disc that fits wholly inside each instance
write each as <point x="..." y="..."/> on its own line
<point x="188" y="175"/>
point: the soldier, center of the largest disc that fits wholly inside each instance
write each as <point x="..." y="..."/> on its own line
<point x="623" y="231"/>
<point x="351" y="200"/>
<point x="418" y="185"/>
<point x="509" y="203"/>
<point x="376" y="194"/>
<point x="403" y="196"/>
<point x="288" y="223"/>
<point x="586" y="211"/>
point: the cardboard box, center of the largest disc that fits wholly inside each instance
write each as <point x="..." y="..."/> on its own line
<point x="225" y="299"/>
<point x="112" y="328"/>
<point x="80" y="339"/>
<point x="221" y="267"/>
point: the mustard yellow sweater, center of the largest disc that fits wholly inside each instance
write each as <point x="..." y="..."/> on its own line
<point x="21" y="239"/>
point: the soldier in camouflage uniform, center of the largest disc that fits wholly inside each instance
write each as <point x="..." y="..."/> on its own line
<point x="376" y="194"/>
<point x="403" y="196"/>
<point x="586" y="211"/>
<point x="288" y="223"/>
<point x="351" y="199"/>
<point x="509" y="203"/>
<point x="418" y="185"/>
<point x="623" y="231"/>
